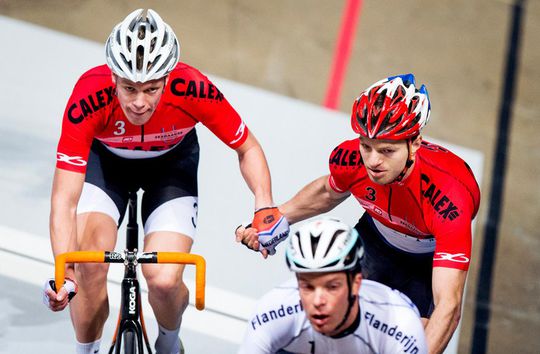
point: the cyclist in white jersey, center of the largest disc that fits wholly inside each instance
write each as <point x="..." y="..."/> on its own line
<point x="328" y="308"/>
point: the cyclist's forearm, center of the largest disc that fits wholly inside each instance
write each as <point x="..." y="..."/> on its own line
<point x="314" y="199"/>
<point x="63" y="231"/>
<point x="255" y="171"/>
<point x="441" y="326"/>
<point x="448" y="287"/>
<point x="65" y="195"/>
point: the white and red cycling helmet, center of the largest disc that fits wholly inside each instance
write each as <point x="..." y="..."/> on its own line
<point x="392" y="109"/>
<point x="142" y="47"/>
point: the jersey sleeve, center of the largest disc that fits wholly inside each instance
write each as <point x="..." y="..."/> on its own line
<point x="83" y="118"/>
<point x="453" y="234"/>
<point x="209" y="106"/>
<point x="453" y="198"/>
<point x="344" y="162"/>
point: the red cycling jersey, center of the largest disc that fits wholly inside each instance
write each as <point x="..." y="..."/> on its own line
<point x="93" y="111"/>
<point x="430" y="210"/>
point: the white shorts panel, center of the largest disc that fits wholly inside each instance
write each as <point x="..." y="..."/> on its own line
<point x="93" y="199"/>
<point x="177" y="215"/>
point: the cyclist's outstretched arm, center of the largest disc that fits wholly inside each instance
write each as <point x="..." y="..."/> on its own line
<point x="254" y="169"/>
<point x="66" y="190"/>
<point x="315" y="198"/>
<point x="448" y="284"/>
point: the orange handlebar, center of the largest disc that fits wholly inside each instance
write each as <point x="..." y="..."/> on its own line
<point x="200" y="271"/>
<point x="74" y="257"/>
<point x="162" y="257"/>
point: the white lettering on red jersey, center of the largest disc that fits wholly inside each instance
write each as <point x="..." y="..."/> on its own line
<point x="93" y="111"/>
<point x="437" y="200"/>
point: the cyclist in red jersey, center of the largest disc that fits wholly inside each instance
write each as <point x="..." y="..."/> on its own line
<point x="419" y="199"/>
<point x="129" y="125"/>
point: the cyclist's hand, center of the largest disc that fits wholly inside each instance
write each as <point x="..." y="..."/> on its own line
<point x="249" y="238"/>
<point x="272" y="227"/>
<point x="58" y="301"/>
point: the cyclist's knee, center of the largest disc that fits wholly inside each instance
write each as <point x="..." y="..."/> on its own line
<point x="91" y="274"/>
<point x="165" y="284"/>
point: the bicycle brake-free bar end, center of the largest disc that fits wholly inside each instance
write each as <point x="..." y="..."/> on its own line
<point x="200" y="271"/>
<point x="74" y="257"/>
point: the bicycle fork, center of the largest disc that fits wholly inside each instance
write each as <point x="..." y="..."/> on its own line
<point x="128" y="327"/>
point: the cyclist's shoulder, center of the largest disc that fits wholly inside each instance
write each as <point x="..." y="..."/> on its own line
<point x="443" y="169"/>
<point x="186" y="81"/>
<point x="277" y="321"/>
<point x="378" y="296"/>
<point x="441" y="159"/>
<point x="280" y="308"/>
<point x="346" y="155"/>
<point x="285" y="293"/>
<point x="100" y="73"/>
<point x="96" y="79"/>
<point x="187" y="72"/>
<point x="387" y="313"/>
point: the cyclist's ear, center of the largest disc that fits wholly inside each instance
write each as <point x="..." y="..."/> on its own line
<point x="356" y="282"/>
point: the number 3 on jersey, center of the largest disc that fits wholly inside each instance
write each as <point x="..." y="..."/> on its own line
<point x="370" y="193"/>
<point x="120" y="127"/>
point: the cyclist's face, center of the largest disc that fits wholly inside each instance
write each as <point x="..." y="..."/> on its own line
<point x="384" y="159"/>
<point x="325" y="300"/>
<point x="138" y="100"/>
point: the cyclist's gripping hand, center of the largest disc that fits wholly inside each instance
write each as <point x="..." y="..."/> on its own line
<point x="58" y="301"/>
<point x="272" y="227"/>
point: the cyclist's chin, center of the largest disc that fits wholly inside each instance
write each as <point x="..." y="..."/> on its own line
<point x="381" y="178"/>
<point x="139" y="119"/>
<point x="325" y="327"/>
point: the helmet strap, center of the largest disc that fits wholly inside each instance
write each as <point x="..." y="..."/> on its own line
<point x="352" y="301"/>
<point x="409" y="162"/>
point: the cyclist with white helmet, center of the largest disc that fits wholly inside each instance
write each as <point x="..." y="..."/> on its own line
<point x="129" y="125"/>
<point x="329" y="308"/>
<point x="419" y="201"/>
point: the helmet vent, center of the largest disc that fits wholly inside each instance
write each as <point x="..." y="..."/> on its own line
<point x="165" y="39"/>
<point x="301" y="249"/>
<point x="332" y="241"/>
<point x="314" y="243"/>
<point x="141" y="33"/>
<point x="140" y="57"/>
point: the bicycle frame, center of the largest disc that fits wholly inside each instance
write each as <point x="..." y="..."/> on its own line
<point x="131" y="318"/>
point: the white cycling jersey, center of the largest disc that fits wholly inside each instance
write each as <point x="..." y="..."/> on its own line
<point x="389" y="323"/>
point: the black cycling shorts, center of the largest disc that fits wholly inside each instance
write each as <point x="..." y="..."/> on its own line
<point x="162" y="178"/>
<point x="409" y="273"/>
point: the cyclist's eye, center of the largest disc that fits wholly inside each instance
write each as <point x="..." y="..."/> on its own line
<point x="305" y="287"/>
<point x="333" y="286"/>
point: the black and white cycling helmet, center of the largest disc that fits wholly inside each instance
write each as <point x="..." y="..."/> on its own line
<point x="142" y="47"/>
<point x="324" y="245"/>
